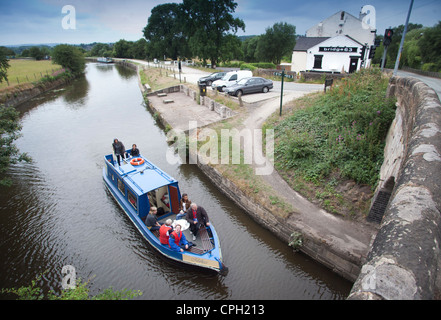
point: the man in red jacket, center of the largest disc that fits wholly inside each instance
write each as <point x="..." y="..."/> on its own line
<point x="197" y="217"/>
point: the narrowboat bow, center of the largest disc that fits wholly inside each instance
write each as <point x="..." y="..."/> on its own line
<point x="137" y="185"/>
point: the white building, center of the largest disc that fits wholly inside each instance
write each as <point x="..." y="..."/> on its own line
<point x="334" y="45"/>
<point x="336" y="54"/>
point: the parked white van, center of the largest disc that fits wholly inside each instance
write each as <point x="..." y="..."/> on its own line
<point x="231" y="78"/>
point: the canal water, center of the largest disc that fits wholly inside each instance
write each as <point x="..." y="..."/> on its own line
<point x="58" y="211"/>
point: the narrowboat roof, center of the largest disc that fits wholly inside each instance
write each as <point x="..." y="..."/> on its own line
<point x="143" y="178"/>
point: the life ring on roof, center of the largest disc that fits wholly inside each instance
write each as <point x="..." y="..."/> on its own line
<point x="136" y="161"/>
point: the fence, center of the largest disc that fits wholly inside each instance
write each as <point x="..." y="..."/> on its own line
<point x="27" y="78"/>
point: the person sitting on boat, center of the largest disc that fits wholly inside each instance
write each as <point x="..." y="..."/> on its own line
<point x="119" y="150"/>
<point x="134" y="152"/>
<point x="183" y="206"/>
<point x="197" y="216"/>
<point x="177" y="240"/>
<point x="164" y="232"/>
<point x="152" y="221"/>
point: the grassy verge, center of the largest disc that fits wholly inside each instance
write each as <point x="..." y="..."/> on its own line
<point x="329" y="147"/>
<point x="28" y="71"/>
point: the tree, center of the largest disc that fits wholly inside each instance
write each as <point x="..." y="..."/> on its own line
<point x="36" y="53"/>
<point x="430" y="46"/>
<point x="4" y="65"/>
<point x="100" y="50"/>
<point x="165" y="32"/>
<point x="122" y="48"/>
<point x="208" y="26"/>
<point x="9" y="132"/>
<point x="278" y="40"/>
<point x="249" y="47"/>
<point x="392" y="50"/>
<point x="139" y="49"/>
<point x="69" y="57"/>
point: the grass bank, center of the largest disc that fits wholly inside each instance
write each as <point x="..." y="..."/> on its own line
<point x="27" y="71"/>
<point x="329" y="147"/>
<point x="37" y="77"/>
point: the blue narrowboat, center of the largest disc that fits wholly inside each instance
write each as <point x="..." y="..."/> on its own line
<point x="137" y="184"/>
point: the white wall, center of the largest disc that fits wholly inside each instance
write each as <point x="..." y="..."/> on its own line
<point x="298" y="61"/>
<point x="350" y="25"/>
<point x="333" y="61"/>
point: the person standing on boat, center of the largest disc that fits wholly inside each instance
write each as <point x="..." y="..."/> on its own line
<point x="197" y="216"/>
<point x="177" y="240"/>
<point x="134" y="152"/>
<point x="119" y="150"/>
<point x="164" y="232"/>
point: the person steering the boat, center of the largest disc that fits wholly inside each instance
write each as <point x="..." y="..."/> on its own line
<point x="177" y="240"/>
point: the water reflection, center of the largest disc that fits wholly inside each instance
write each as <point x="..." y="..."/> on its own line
<point x="59" y="212"/>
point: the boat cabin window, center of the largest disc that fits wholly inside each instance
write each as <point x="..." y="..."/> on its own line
<point x="159" y="198"/>
<point x="121" y="187"/>
<point x="166" y="199"/>
<point x="132" y="199"/>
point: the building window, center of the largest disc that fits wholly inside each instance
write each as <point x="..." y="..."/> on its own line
<point x="318" y="61"/>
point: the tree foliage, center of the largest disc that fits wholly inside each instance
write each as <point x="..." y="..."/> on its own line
<point x="420" y="50"/>
<point x="430" y="46"/>
<point x="9" y="132"/>
<point x="203" y="28"/>
<point x="165" y="32"/>
<point x="277" y="41"/>
<point x="69" y="57"/>
<point x="4" y="65"/>
<point x="209" y="24"/>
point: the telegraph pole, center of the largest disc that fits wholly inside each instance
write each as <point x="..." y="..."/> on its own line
<point x="397" y="62"/>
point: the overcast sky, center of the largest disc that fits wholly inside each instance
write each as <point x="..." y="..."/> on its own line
<point x="42" y="21"/>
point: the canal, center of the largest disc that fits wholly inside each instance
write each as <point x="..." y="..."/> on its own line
<point x="58" y="211"/>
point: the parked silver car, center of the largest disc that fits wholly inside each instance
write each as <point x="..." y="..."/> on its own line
<point x="250" y="85"/>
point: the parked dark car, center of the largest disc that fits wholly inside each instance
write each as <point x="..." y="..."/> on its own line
<point x="250" y="85"/>
<point x="208" y="80"/>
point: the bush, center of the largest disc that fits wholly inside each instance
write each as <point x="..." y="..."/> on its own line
<point x="344" y="129"/>
<point x="247" y="66"/>
<point x="69" y="57"/>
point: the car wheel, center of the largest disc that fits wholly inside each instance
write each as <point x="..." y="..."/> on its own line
<point x="239" y="93"/>
<point x="265" y="89"/>
<point x="209" y="83"/>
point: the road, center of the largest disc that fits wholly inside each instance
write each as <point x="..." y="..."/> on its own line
<point x="434" y="83"/>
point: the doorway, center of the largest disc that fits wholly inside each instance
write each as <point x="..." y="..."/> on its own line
<point x="353" y="64"/>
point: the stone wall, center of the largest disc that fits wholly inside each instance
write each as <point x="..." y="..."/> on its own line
<point x="404" y="261"/>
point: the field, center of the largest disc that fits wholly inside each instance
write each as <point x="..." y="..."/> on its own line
<point x="26" y="71"/>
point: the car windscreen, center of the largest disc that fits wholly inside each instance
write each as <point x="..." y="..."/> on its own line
<point x="242" y="81"/>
